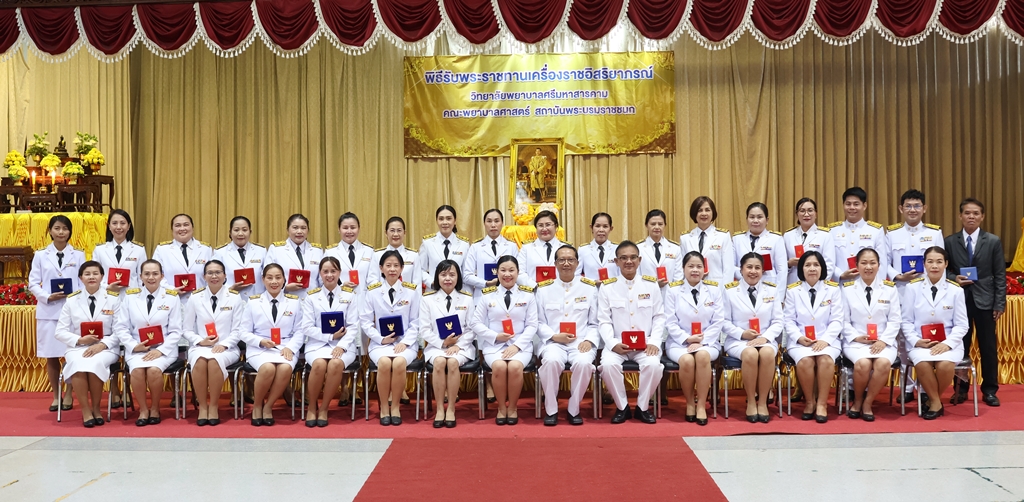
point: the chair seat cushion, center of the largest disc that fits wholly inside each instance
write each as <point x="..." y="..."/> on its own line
<point x="731" y="363"/>
<point x="669" y="364"/>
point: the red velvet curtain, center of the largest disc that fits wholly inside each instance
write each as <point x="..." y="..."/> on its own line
<point x="351" y="21"/>
<point x="410" y="20"/>
<point x="289" y="24"/>
<point x="53" y="30"/>
<point x="965" y="16"/>
<point x="473" y="19"/>
<point x="717" y="19"/>
<point x="780" y="19"/>
<point x="108" y="29"/>
<point x="656" y="19"/>
<point x="593" y="19"/>
<point x="531" y="21"/>
<point x="1013" y="16"/>
<point x="169" y="26"/>
<point x="8" y="29"/>
<point x="227" y="24"/>
<point x="841" y="18"/>
<point x="905" y="18"/>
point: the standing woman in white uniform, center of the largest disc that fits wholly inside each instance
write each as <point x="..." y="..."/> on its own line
<point x="809" y="237"/>
<point x="928" y="302"/>
<point x="149" y="307"/>
<point x="753" y="326"/>
<point x="484" y="254"/>
<point x="814" y="321"/>
<point x="352" y="254"/>
<point x="657" y="251"/>
<point x="270" y="315"/>
<point x="769" y="244"/>
<point x="213" y="327"/>
<point x="446" y="244"/>
<point x="392" y="354"/>
<point x="183" y="255"/>
<point x="395" y="231"/>
<point x="58" y="261"/>
<point x="445" y="299"/>
<point x="239" y="254"/>
<point x="600" y="253"/>
<point x="120" y="251"/>
<point x="714" y="244"/>
<point x="328" y="354"/>
<point x="87" y="357"/>
<point x="539" y="252"/>
<point x="296" y="252"/>
<point x="506" y="354"/>
<point x="691" y="304"/>
<point x="871" y="320"/>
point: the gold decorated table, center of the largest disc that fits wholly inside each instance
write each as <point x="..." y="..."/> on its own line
<point x="29" y="229"/>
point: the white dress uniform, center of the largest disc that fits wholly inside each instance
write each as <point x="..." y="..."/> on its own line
<point x="255" y="255"/>
<point x="769" y="243"/>
<point x="359" y="259"/>
<point x="132" y="255"/>
<point x="947" y="308"/>
<point x="682" y="310"/>
<point x="483" y="253"/>
<point x="434" y="306"/>
<point x="717" y="250"/>
<point x="826" y="315"/>
<point x="818" y="239"/>
<point x="320" y="345"/>
<point x="410" y="272"/>
<point x="534" y="254"/>
<point x="671" y="258"/>
<point x="45" y="267"/>
<point x="258" y="321"/>
<point x="69" y="329"/>
<point x="283" y="254"/>
<point x="574" y="302"/>
<point x="227" y="317"/>
<point x="168" y="253"/>
<point x="739" y="311"/>
<point x="631" y="305"/>
<point x="884" y="312"/>
<point x="905" y="240"/>
<point x="432" y="253"/>
<point x="378" y="304"/>
<point x="491" y="311"/>
<point x="850" y="238"/>
<point x="134" y="315"/>
<point x="591" y="262"/>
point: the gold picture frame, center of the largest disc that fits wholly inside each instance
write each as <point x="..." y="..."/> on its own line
<point x="537" y="172"/>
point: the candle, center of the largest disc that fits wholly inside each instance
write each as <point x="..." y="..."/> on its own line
<point x="33" y="181"/>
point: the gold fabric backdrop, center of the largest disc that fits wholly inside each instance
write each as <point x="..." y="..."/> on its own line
<point x="267" y="136"/>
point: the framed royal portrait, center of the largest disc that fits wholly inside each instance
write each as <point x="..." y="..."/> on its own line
<point x="537" y="172"/>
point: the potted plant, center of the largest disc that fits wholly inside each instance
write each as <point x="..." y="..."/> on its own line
<point x="72" y="171"/>
<point x="39" y="147"/>
<point x="50" y="163"/>
<point x="84" y="142"/>
<point x="15" y="164"/>
<point x="94" y="159"/>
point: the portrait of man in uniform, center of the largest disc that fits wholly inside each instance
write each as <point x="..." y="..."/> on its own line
<point x="537" y="171"/>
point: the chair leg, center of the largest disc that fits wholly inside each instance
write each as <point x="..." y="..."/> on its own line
<point x="594" y="392"/>
<point x="366" y="393"/>
<point x="60" y="405"/>
<point x="726" y="375"/>
<point x="714" y="392"/>
<point x="417" y="377"/>
<point x="536" y="396"/>
<point x="599" y="395"/>
<point x="778" y="392"/>
<point x="903" y="402"/>
<point x="481" y="379"/>
<point x="789" y="392"/>
<point x="481" y="394"/>
<point x="974" y="378"/>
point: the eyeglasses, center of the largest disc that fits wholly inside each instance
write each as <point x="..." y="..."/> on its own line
<point x="632" y="257"/>
<point x="913" y="207"/>
<point x="214" y="272"/>
<point x="565" y="261"/>
<point x="806" y="211"/>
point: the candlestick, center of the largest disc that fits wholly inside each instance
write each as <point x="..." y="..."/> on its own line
<point x="33" y="182"/>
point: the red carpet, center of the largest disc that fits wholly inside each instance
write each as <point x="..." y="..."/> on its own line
<point x="540" y="469"/>
<point x="25" y="414"/>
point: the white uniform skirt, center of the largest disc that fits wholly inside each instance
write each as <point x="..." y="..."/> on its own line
<point x="389" y="351"/>
<point x="224" y="359"/>
<point x="134" y="360"/>
<point x="325" y="353"/>
<point x="47" y="344"/>
<point x="522" y="357"/>
<point x="675" y="352"/>
<point x="464" y="356"/>
<point x="270" y="356"/>
<point x="735" y="348"/>
<point x="857" y="351"/>
<point x="799" y="352"/>
<point x="920" y="354"/>
<point x="99" y="364"/>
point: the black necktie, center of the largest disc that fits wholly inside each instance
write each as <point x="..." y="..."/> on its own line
<point x="867" y="291"/>
<point x="117" y="255"/>
<point x="970" y="251"/>
<point x="60" y="259"/>
<point x="753" y="297"/>
<point x="935" y="291"/>
<point x="330" y="298"/>
<point x="657" y="251"/>
<point x="391" y="295"/>
<point x="549" y="250"/>
<point x="700" y="242"/>
<point x="694" y="292"/>
<point x="184" y="253"/>
<point x="352" y="254"/>
<point x="298" y="253"/>
<point x="149" y="303"/>
<point x="92" y="305"/>
<point x="600" y="255"/>
<point x="814" y="293"/>
<point x="494" y="248"/>
<point x="804" y="238"/>
<point x="508" y="300"/>
<point x="241" y="255"/>
<point x="213" y="300"/>
<point x="446" y="243"/>
<point x="753" y="242"/>
<point x="273" y="309"/>
<point x="449" y="304"/>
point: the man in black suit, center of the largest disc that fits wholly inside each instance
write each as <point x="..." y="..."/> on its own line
<point x="986" y="295"/>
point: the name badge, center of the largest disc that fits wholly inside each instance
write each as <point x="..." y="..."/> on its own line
<point x="947" y="307"/>
<point x="200" y="262"/>
<point x="523" y="304"/>
<point x="716" y="247"/>
<point x="402" y="303"/>
<point x="288" y="313"/>
<point x="164" y="307"/>
<point x="225" y="309"/>
<point x="581" y="299"/>
<point x="866" y="236"/>
<point x="768" y="299"/>
<point x="645" y="296"/>
<point x="107" y="312"/>
<point x="131" y="259"/>
<point x="256" y="261"/>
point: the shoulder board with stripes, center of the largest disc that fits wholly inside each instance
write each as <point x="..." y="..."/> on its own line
<point x="954" y="283"/>
<point x="919" y="279"/>
<point x="770" y="284"/>
<point x="431" y="292"/>
<point x="675" y="284"/>
<point x="200" y="290"/>
<point x="528" y="289"/>
<point x="314" y="291"/>
<point x="609" y="280"/>
<point x="739" y="233"/>
<point x="788" y="230"/>
<point x="373" y="286"/>
<point x="77" y="292"/>
<point x="774" y="232"/>
<point x="875" y="224"/>
<point x="545" y="283"/>
<point x="823" y="229"/>
<point x="429" y="236"/>
<point x="172" y="292"/>
<point x="478" y="240"/>
<point x="409" y="285"/>
<point x="256" y="244"/>
<point x="723" y="230"/>
<point x="461" y="238"/>
<point x="709" y="282"/>
<point x="894" y="226"/>
<point x="794" y="285"/>
<point x="254" y="297"/>
<point x="164" y="243"/>
<point x="132" y="291"/>
<point x="113" y="293"/>
<point x="849" y="284"/>
<point x="204" y="243"/>
<point x="489" y="289"/>
<point x="278" y="243"/>
<point x="834" y="224"/>
<point x="222" y="246"/>
<point x="889" y="283"/>
<point x="732" y="284"/>
<point x="467" y="293"/>
<point x="316" y="245"/>
<point x="672" y="241"/>
<point x="137" y="243"/>
<point x="650" y="278"/>
<point x="232" y="291"/>
<point x="588" y="281"/>
<point x="348" y="289"/>
<point x="832" y="283"/>
<point x="380" y="249"/>
<point x="528" y="241"/>
<point x="411" y="249"/>
<point x="291" y="296"/>
<point x="933" y="226"/>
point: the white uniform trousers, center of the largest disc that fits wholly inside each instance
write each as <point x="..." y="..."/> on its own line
<point x="554" y="357"/>
<point x="650" y="376"/>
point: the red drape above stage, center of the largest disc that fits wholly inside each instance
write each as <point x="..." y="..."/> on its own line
<point x="291" y="27"/>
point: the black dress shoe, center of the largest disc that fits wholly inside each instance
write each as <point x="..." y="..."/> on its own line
<point x="202" y="422"/>
<point x="153" y="420"/>
<point x="54" y="407"/>
<point x="396" y="420"/>
<point x="142" y="422"/>
<point x="214" y="421"/>
<point x="500" y="420"/>
<point x="621" y="415"/>
<point x="438" y="424"/>
<point x="702" y="421"/>
<point x="513" y="420"/>
<point x="310" y="423"/>
<point x="99" y="421"/>
<point x="385" y="420"/>
<point x="268" y="421"/>
<point x="113" y="406"/>
<point x="905" y="398"/>
<point x="321" y="423"/>
<point x="868" y="417"/>
<point x="664" y="400"/>
<point x="853" y="414"/>
<point x="256" y="422"/>
<point x="574" y="419"/>
<point x="89" y="424"/>
<point x="65" y="407"/>
<point x="343" y="403"/>
<point x="807" y="416"/>
<point x="991" y="400"/>
<point x="764" y="418"/>
<point x="820" y="418"/>
<point x="551" y="420"/>
<point x="404" y="400"/>
<point x="647" y="417"/>
<point x="449" y="424"/>
<point x="691" y="418"/>
<point x="753" y="418"/>
<point x="932" y="415"/>
<point x="958" y="397"/>
<point x="492" y="400"/>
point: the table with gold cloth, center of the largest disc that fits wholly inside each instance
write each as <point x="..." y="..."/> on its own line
<point x="29" y="229"/>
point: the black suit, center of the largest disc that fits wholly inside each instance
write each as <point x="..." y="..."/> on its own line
<point x="987" y="294"/>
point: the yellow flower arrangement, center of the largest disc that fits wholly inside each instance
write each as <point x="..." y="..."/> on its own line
<point x="17" y="172"/>
<point x="94" y="157"/>
<point x="14" y="158"/>
<point x="50" y="163"/>
<point x="72" y="169"/>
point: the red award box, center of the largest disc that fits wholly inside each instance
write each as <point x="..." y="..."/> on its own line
<point x="872" y="332"/>
<point x="299" y="276"/>
<point x="934" y="332"/>
<point x="602" y="274"/>
<point x="275" y="335"/>
<point x="851" y="262"/>
<point x="151" y="335"/>
<point x="506" y="326"/>
<point x="187" y="282"/>
<point x="119" y="276"/>
<point x="211" y="330"/>
<point x="809" y="333"/>
<point x="695" y="329"/>
<point x="767" y="262"/>
<point x="353" y="277"/>
<point x="545" y="273"/>
<point x="245" y="276"/>
<point x="755" y="324"/>
<point x="93" y="328"/>
<point x="706" y="269"/>
<point x="798" y="250"/>
<point x="635" y="340"/>
<point x="662" y="274"/>
<point x="567" y="327"/>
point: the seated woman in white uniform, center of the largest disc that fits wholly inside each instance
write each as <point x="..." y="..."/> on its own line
<point x="213" y="327"/>
<point x="445" y="349"/>
<point x="273" y="330"/>
<point x="330" y="348"/>
<point x="90" y="351"/>
<point x="146" y="315"/>
<point x="752" y="328"/>
<point x="814" y="321"/>
<point x="933" y="307"/>
<point x="389" y="320"/>
<point x="871" y="321"/>
<point x="505" y="322"/>
<point x="695" y="315"/>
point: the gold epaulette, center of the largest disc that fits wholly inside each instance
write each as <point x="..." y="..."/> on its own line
<point x="672" y="241"/>
<point x="774" y="232"/>
<point x="675" y="284"/>
<point x="409" y="285"/>
<point x="223" y="245"/>
<point x="348" y="289"/>
<point x="823" y="229"/>
<point x="461" y="238"/>
<point x="291" y="296"/>
<point x="849" y="284"/>
<point x="278" y="243"/>
<point x="875" y="224"/>
<point x="957" y="284"/>
<point x="373" y="286"/>
<point x="739" y="233"/>
<point x="172" y="292"/>
<point x="313" y="291"/>
<point x="528" y="289"/>
<point x="649" y="278"/>
<point x="257" y="244"/>
<point x="894" y="226"/>
<point x="411" y="249"/>
<point x="132" y="291"/>
<point x="429" y="236"/>
<point x="478" y="240"/>
<point x="204" y="243"/>
<point x="316" y="245"/>
<point x="112" y="293"/>
<point x="137" y="243"/>
<point x="933" y="226"/>
<point x="431" y="292"/>
<point x="588" y="281"/>
<point x="164" y="243"/>
<point x="919" y="279"/>
<point x="609" y="280"/>
<point x="794" y="285"/>
<point x="788" y="230"/>
<point x="770" y="284"/>
<point x="832" y="283"/>
<point x="467" y="293"/>
<point x="200" y="290"/>
<point x="79" y="291"/>
<point x="732" y="284"/>
<point x="889" y="283"/>
<point x="254" y="297"/>
<point x="489" y="289"/>
<point x="564" y="243"/>
<point x="723" y="230"/>
<point x="528" y="242"/>
<point x="545" y="283"/>
<point x="834" y="224"/>
<point x="380" y="249"/>
<point x="232" y="291"/>
<point x="709" y="282"/>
